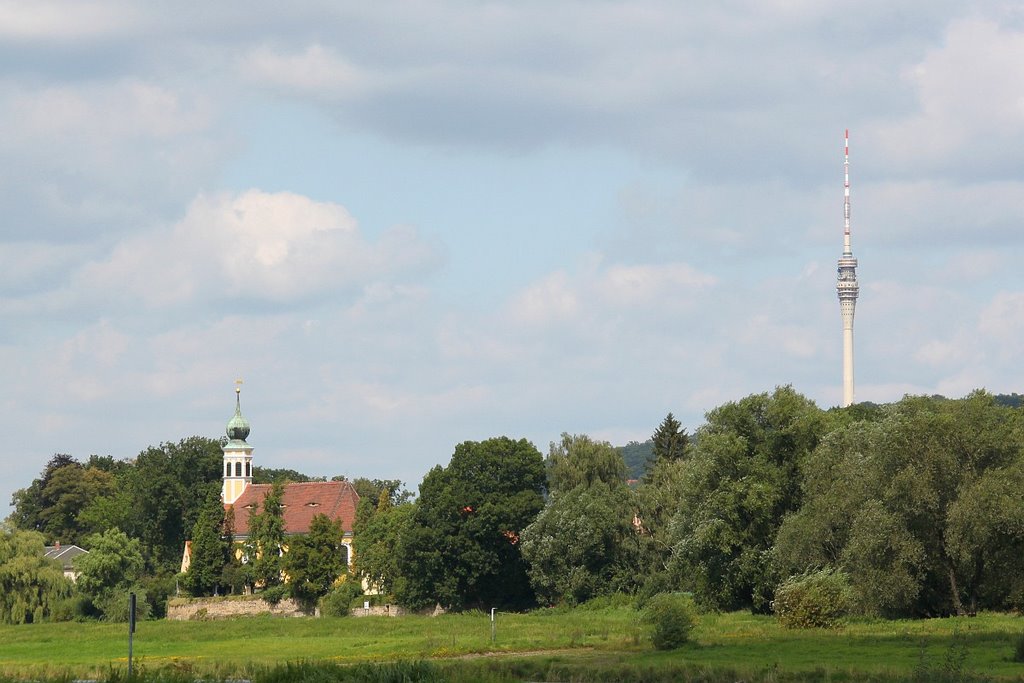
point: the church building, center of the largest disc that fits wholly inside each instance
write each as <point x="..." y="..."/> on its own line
<point x="300" y="502"/>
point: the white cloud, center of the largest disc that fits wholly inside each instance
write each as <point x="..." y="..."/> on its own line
<point x="260" y="246"/>
<point x="64" y="19"/>
<point x="971" y="113"/>
<point x="316" y="71"/>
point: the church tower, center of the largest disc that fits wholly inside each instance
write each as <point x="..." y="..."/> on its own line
<point x="237" y="455"/>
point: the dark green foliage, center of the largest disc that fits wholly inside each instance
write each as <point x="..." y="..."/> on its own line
<point x="314" y="561"/>
<point x="265" y="542"/>
<point x="274" y="594"/>
<point x="637" y="457"/>
<point x="377" y="538"/>
<point x="672" y="616"/>
<point x="338" y="603"/>
<point x="168" y="486"/>
<point x="1013" y="400"/>
<point x="278" y="475"/>
<point x="31" y="587"/>
<point x="462" y="547"/>
<point x="52" y="504"/>
<point x="817" y="599"/>
<point x="209" y="551"/>
<point x="669" y="441"/>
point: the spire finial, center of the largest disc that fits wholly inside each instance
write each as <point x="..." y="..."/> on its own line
<point x="238" y="426"/>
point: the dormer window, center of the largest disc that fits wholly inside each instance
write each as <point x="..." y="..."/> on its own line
<point x="312" y="505"/>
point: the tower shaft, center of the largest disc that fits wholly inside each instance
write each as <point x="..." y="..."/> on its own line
<point x="846" y="286"/>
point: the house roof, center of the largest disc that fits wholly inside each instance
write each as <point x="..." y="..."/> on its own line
<point x="301" y="502"/>
<point x="65" y="554"/>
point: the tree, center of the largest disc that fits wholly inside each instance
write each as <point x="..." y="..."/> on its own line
<point x="265" y="543"/>
<point x="921" y="508"/>
<point x="52" y="504"/>
<point x="575" y="543"/>
<point x="272" y="475"/>
<point x="168" y="485"/>
<point x="111" y="569"/>
<point x="577" y="460"/>
<point x="315" y="561"/>
<point x="741" y="481"/>
<point x="209" y="551"/>
<point x="30" y="585"/>
<point x="670" y="440"/>
<point x="377" y="537"/>
<point x="656" y="501"/>
<point x="462" y="547"/>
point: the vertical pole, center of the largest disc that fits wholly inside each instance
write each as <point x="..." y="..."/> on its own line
<point x="131" y="629"/>
<point x="494" y="631"/>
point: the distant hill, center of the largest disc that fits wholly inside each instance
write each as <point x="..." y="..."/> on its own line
<point x="636" y="456"/>
<point x="1010" y="400"/>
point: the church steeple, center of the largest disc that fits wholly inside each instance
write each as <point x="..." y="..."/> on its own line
<point x="237" y="453"/>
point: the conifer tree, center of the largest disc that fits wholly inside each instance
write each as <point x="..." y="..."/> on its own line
<point x="208" y="551"/>
<point x="670" y="440"/>
<point x="264" y="545"/>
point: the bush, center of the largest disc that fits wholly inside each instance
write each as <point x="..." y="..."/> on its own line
<point x="816" y="599"/>
<point x="113" y="605"/>
<point x="673" y="616"/>
<point x="274" y="594"/>
<point x="338" y="602"/>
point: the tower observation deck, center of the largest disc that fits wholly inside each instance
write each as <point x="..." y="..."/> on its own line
<point x="847" y="287"/>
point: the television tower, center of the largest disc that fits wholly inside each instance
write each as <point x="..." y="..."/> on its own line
<point x="847" y="286"/>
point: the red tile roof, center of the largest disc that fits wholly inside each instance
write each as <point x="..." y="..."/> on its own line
<point x="301" y="502"/>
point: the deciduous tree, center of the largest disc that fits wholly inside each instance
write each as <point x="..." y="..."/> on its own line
<point x="462" y="548"/>
<point x="30" y="585"/>
<point x="315" y="561"/>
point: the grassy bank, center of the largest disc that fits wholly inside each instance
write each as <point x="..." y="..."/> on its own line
<point x="544" y="645"/>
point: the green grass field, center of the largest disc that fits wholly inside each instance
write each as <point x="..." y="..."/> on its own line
<point x="737" y="646"/>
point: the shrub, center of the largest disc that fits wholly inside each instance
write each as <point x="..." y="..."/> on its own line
<point x="113" y="605"/>
<point x="673" y="616"/>
<point x="274" y="594"/>
<point x="338" y="602"/>
<point x="816" y="599"/>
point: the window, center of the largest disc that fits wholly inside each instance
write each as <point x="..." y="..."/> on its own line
<point x="344" y="554"/>
<point x="238" y="469"/>
<point x="227" y="469"/>
<point x="248" y="469"/>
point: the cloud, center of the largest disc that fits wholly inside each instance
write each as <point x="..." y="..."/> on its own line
<point x="95" y="158"/>
<point x="254" y="246"/>
<point x="971" y="106"/>
<point x="55" y="20"/>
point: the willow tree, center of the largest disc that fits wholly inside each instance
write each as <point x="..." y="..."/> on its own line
<point x="30" y="585"/>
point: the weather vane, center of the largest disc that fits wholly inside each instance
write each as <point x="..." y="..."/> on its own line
<point x="238" y="386"/>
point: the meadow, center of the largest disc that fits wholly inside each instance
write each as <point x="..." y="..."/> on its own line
<point x="584" y="645"/>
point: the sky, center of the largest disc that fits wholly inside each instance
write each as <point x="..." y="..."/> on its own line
<point x="409" y="224"/>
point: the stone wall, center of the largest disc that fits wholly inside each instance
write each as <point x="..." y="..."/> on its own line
<point x="184" y="609"/>
<point x="378" y="611"/>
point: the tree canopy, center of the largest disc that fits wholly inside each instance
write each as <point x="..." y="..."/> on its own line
<point x="462" y="546"/>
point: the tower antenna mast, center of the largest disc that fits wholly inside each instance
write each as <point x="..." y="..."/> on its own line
<point x="846" y="286"/>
